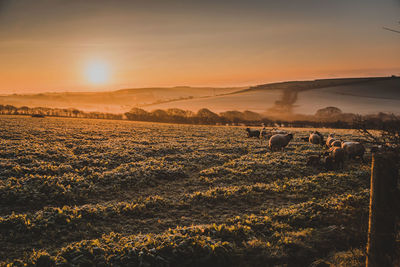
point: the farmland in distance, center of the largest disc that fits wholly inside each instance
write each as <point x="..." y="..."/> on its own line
<point x="96" y="192"/>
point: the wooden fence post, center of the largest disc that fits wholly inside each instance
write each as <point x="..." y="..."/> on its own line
<point x="382" y="210"/>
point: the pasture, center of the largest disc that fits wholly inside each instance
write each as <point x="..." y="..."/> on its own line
<point x="95" y="192"/>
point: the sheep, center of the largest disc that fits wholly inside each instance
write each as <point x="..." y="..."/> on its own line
<point x="354" y="149"/>
<point x="336" y="143"/>
<point x="329" y="140"/>
<point x="334" y="158"/>
<point x="338" y="154"/>
<point x="279" y="141"/>
<point x="316" y="138"/>
<point x="252" y="133"/>
<point x="333" y="142"/>
<point x="264" y="134"/>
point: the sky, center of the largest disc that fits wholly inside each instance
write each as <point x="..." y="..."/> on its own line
<point x="74" y="45"/>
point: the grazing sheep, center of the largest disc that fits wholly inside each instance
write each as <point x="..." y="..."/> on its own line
<point x="279" y="141"/>
<point x="336" y="143"/>
<point x="338" y="154"/>
<point x="334" y="158"/>
<point x="313" y="160"/>
<point x="264" y="134"/>
<point x="252" y="133"/>
<point x="354" y="149"/>
<point x="316" y="138"/>
<point x="329" y="140"/>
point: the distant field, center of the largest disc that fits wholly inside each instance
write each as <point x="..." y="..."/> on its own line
<point x="255" y="101"/>
<point x="363" y="97"/>
<point x="351" y="95"/>
<point x="118" y="101"/>
<point x="97" y="192"/>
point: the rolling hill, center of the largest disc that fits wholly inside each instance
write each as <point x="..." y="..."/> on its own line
<point x="351" y="95"/>
<point x="112" y="101"/>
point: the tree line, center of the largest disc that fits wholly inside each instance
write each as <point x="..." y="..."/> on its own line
<point x="57" y="112"/>
<point x="330" y="117"/>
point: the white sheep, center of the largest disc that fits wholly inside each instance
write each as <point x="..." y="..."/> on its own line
<point x="337" y="156"/>
<point x="265" y="134"/>
<point x="330" y="139"/>
<point x="354" y="149"/>
<point x="336" y="143"/>
<point x="279" y="141"/>
<point x="316" y="138"/>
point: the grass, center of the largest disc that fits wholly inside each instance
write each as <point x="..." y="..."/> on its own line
<point x="89" y="192"/>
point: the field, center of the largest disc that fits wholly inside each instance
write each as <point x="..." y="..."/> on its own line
<point x="84" y="192"/>
<point x="354" y="95"/>
<point x="365" y="97"/>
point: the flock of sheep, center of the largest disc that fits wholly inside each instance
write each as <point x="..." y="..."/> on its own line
<point x="333" y="158"/>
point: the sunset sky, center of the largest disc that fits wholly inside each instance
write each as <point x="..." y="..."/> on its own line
<point x="72" y="45"/>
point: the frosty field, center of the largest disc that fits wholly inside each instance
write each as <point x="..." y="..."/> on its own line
<point x="96" y="192"/>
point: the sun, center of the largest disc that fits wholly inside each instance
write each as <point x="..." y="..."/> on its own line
<point x="97" y="72"/>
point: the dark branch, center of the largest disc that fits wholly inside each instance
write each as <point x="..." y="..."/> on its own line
<point x="392" y="30"/>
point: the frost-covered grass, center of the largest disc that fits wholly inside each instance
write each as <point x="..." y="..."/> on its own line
<point x="93" y="192"/>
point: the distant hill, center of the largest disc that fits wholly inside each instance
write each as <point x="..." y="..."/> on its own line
<point x="355" y="95"/>
<point x="112" y="101"/>
<point x="351" y="95"/>
<point x="315" y="84"/>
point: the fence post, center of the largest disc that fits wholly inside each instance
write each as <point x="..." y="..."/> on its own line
<point x="382" y="210"/>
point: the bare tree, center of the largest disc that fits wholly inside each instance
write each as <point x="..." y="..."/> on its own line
<point x="386" y="133"/>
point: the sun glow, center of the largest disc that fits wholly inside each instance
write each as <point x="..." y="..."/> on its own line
<point x="97" y="72"/>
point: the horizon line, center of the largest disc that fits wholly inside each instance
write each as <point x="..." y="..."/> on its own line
<point x="203" y="86"/>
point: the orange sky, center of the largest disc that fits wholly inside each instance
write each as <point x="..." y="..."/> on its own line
<point x="45" y="45"/>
